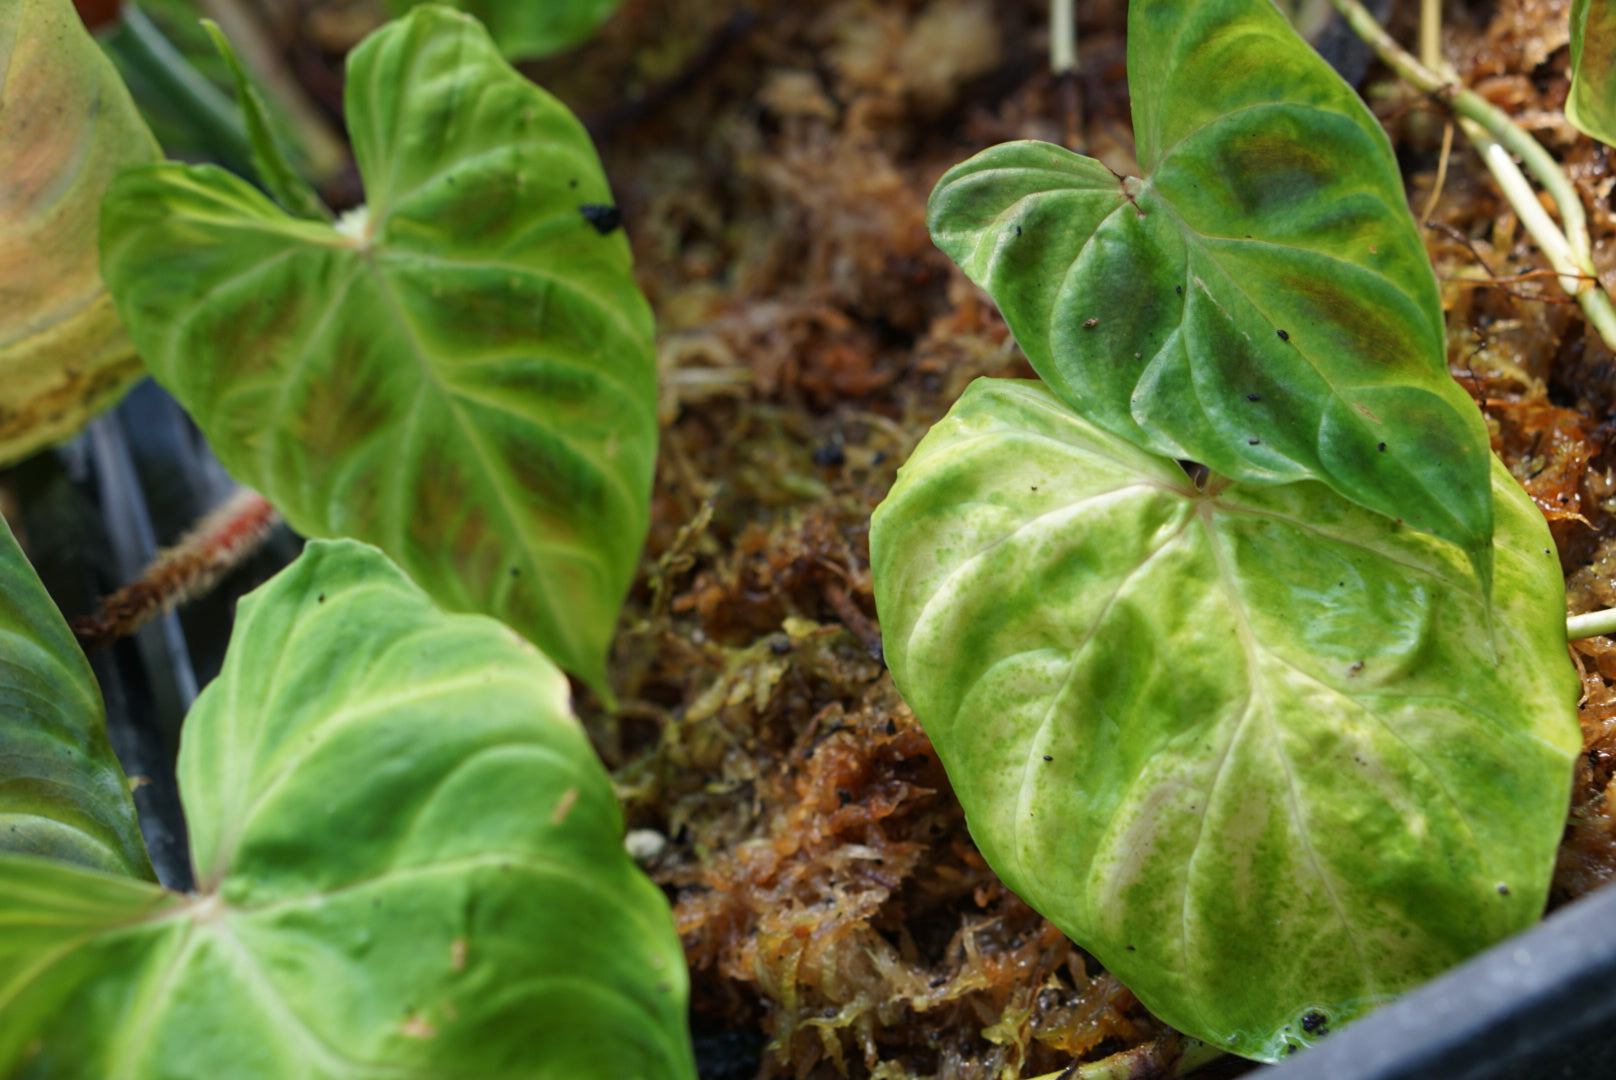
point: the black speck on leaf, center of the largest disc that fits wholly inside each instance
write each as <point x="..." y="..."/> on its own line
<point x="1047" y="757"/>
<point x="1253" y="397"/>
<point x="1314" y="1023"/>
<point x="1253" y="442"/>
<point x="1503" y="890"/>
<point x="1283" y="336"/>
<point x="1382" y="448"/>
<point x="604" y="218"/>
<point x="320" y="599"/>
<point x="1179" y="289"/>
<point x="1018" y="230"/>
<point x="572" y="183"/>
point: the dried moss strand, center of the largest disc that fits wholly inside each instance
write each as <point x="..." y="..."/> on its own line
<point x="1496" y="137"/>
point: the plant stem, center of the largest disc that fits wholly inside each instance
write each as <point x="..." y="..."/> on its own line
<point x="1062" y="36"/>
<point x="223" y="540"/>
<point x="1591" y="624"/>
<point x="1496" y="137"/>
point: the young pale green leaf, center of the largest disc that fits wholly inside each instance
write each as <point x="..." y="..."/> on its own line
<point x="409" y="861"/>
<point x="1260" y="301"/>
<point x="67" y="127"/>
<point x="1591" y="105"/>
<point x="1252" y="745"/>
<point x="527" y="29"/>
<point x="62" y="792"/>
<point x="462" y="374"/>
<point x="283" y="182"/>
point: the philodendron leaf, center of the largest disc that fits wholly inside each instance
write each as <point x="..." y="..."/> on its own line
<point x="1260" y="301"/>
<point x="67" y="127"/>
<point x="526" y="29"/>
<point x="462" y="374"/>
<point x="1250" y="745"/>
<point x="1591" y="105"/>
<point x="410" y="863"/>
<point x="62" y="793"/>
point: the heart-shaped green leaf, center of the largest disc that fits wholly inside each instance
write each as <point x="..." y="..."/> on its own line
<point x="410" y="863"/>
<point x="1250" y="745"/>
<point x="1591" y="104"/>
<point x="1260" y="302"/>
<point x="67" y="127"/>
<point x="462" y="374"/>
<point x="62" y="793"/>
<point x="526" y="29"/>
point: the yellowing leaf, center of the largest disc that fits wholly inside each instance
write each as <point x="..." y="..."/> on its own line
<point x="67" y="128"/>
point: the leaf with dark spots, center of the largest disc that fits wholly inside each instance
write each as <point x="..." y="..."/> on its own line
<point x="1243" y="742"/>
<point x="462" y="372"/>
<point x="1267" y="253"/>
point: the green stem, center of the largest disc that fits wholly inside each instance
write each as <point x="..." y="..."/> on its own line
<point x="1591" y="624"/>
<point x="1062" y="36"/>
<point x="142" y="49"/>
<point x="1496" y="137"/>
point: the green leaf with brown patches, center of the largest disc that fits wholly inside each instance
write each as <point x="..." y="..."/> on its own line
<point x="1251" y="745"/>
<point x="1260" y="300"/>
<point x="462" y="373"/>
<point x="1591" y="105"/>
<point x="67" y="127"/>
<point x="526" y="30"/>
<point x="62" y="793"/>
<point x="409" y="863"/>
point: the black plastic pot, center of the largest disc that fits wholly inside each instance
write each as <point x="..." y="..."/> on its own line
<point x="1541" y="1005"/>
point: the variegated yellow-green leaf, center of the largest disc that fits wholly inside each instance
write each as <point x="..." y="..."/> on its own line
<point x="67" y="127"/>
<point x="526" y="29"/>
<point x="62" y="794"/>
<point x="1591" y="104"/>
<point x="1264" y="753"/>
<point x="462" y="373"/>
<point x="409" y="861"/>
<point x="1260" y="300"/>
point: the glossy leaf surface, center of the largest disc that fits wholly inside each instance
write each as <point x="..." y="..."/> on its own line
<point x="62" y="793"/>
<point x="1260" y="301"/>
<point x="1251" y="746"/>
<point x="462" y="374"/>
<point x="67" y="127"/>
<point x="525" y="29"/>
<point x="409" y="862"/>
<point x="1591" y="105"/>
